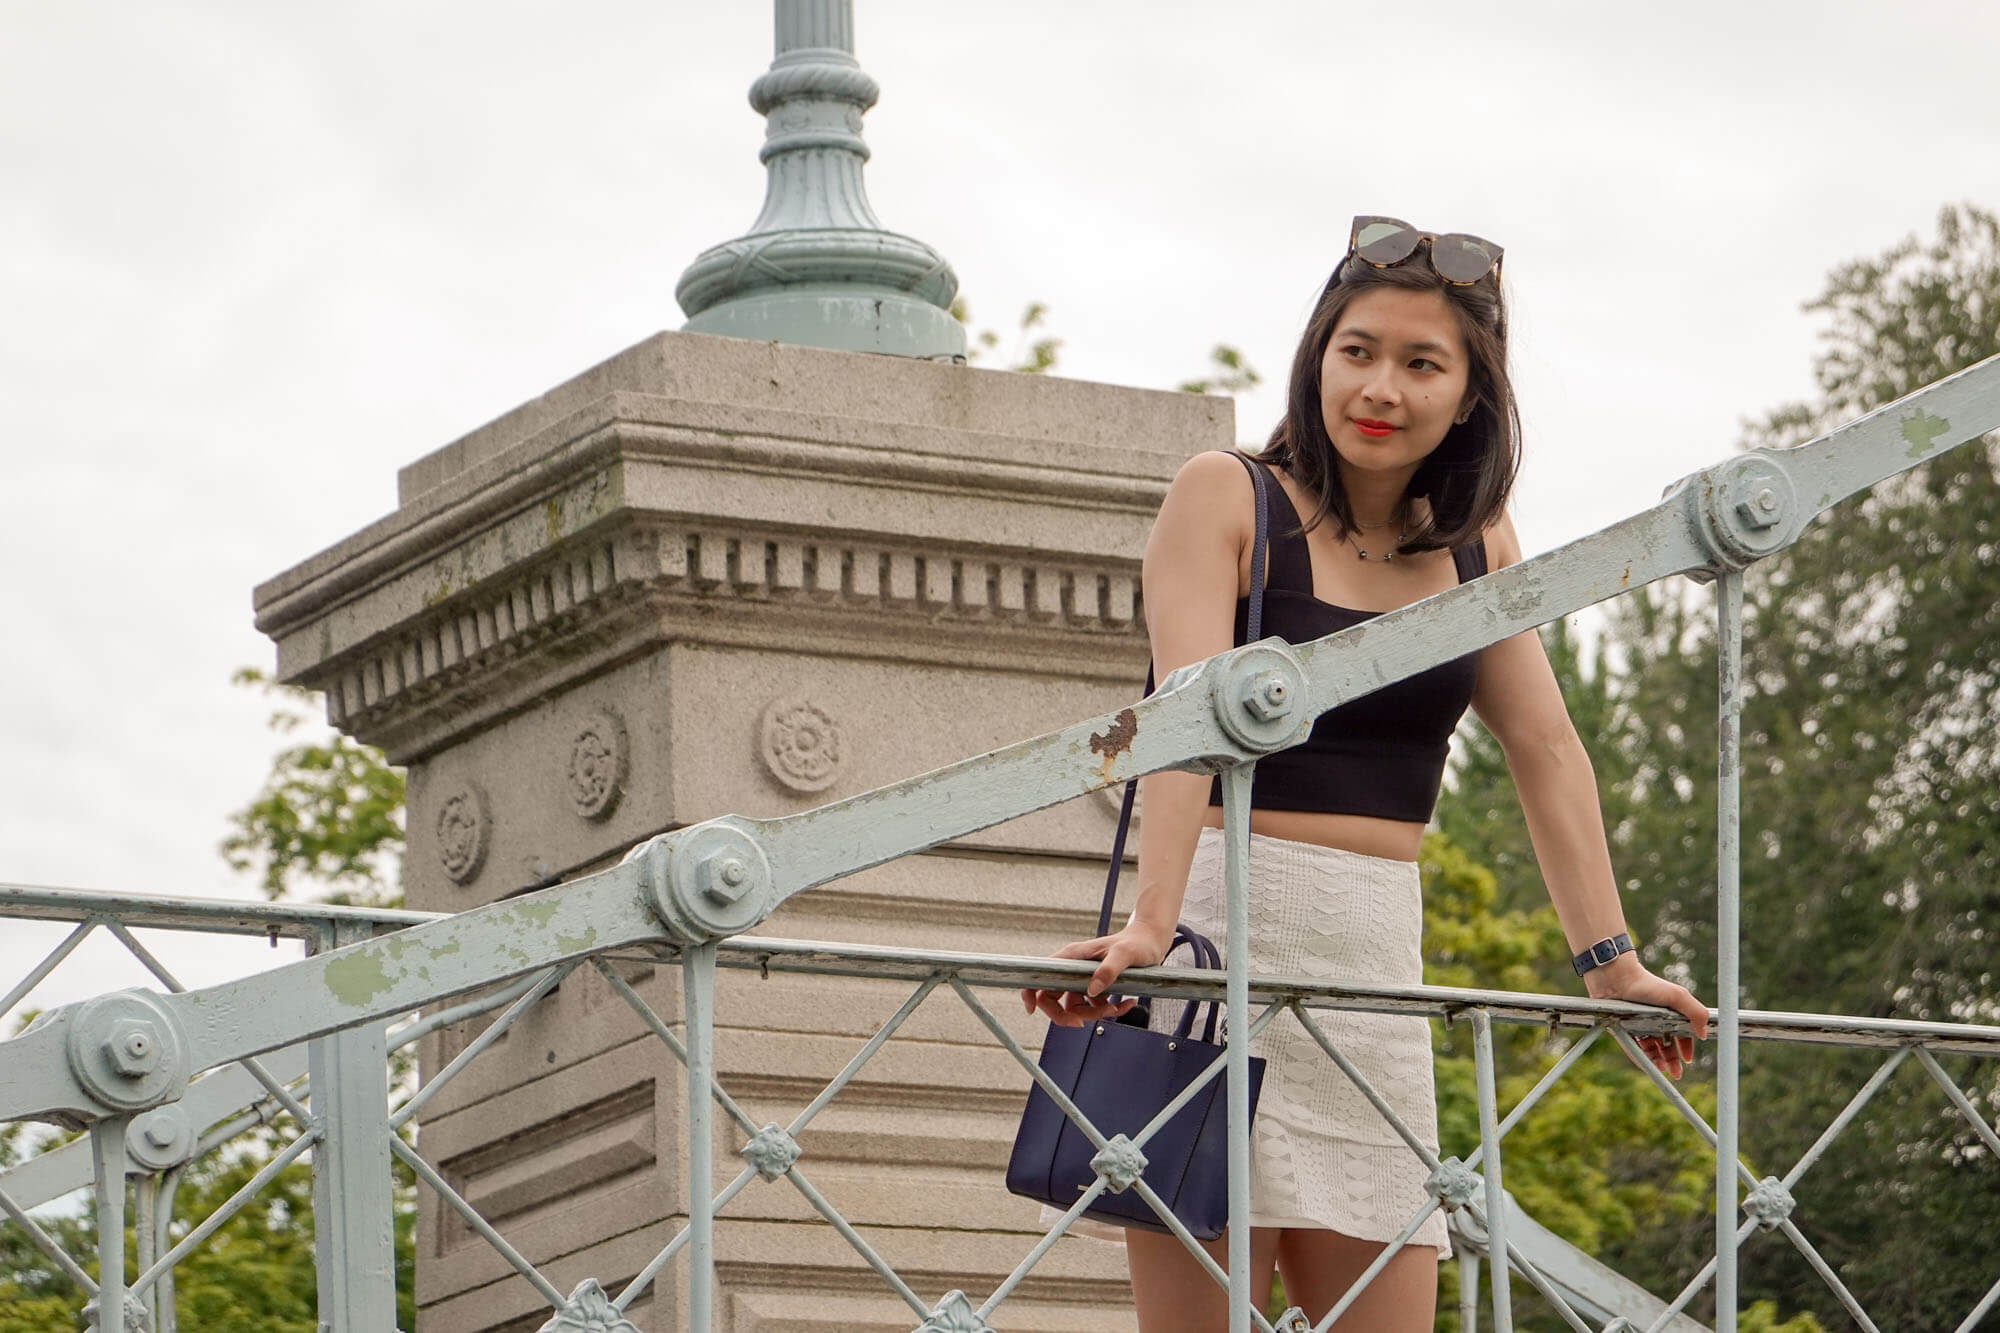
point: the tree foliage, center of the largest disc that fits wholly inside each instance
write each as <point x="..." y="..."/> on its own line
<point x="1228" y="373"/>
<point x="1030" y="355"/>
<point x="255" y="1274"/>
<point x="330" y="813"/>
<point x="1871" y="797"/>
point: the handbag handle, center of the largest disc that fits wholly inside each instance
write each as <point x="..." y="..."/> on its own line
<point x="1259" y="569"/>
<point x="1205" y="956"/>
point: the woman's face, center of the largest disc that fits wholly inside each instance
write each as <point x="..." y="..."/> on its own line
<point x="1393" y="380"/>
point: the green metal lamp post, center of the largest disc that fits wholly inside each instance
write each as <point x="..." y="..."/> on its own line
<point x="817" y="267"/>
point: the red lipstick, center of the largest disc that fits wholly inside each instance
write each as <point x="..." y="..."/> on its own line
<point x="1374" y="430"/>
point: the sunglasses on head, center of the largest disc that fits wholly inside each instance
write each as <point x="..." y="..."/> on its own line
<point x="1456" y="257"/>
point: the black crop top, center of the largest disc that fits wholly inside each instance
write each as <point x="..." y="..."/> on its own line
<point x="1382" y="754"/>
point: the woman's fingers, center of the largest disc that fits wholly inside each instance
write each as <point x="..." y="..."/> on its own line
<point x="1663" y="1052"/>
<point x="1696" y="1014"/>
<point x="1069" y="1009"/>
<point x="1114" y="953"/>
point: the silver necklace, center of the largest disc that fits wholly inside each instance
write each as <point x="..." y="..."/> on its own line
<point x="1402" y="535"/>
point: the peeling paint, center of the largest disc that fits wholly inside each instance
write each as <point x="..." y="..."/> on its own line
<point x="1922" y="429"/>
<point x="537" y="915"/>
<point x="357" y="980"/>
<point x="1114" y="741"/>
<point x="577" y="943"/>
<point x="1521" y="601"/>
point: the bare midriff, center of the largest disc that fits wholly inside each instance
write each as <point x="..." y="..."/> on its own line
<point x="1391" y="839"/>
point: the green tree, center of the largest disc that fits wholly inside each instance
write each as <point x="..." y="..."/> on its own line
<point x="1871" y="796"/>
<point x="1479" y="809"/>
<point x="1031" y="355"/>
<point x="1603" y="1160"/>
<point x="330" y="812"/>
<point x="1228" y="373"/>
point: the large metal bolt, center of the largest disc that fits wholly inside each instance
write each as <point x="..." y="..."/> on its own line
<point x="159" y="1133"/>
<point x="133" y="1048"/>
<point x="1759" y="510"/>
<point x="723" y="878"/>
<point x="1268" y="696"/>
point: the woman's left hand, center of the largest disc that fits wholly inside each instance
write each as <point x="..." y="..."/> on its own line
<point x="1626" y="978"/>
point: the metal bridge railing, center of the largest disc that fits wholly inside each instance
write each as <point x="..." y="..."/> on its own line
<point x="109" y="1061"/>
<point x="239" y="1098"/>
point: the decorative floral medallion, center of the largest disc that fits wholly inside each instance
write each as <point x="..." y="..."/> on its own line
<point x="597" y="762"/>
<point x="802" y="745"/>
<point x="589" y="1310"/>
<point x="462" y="833"/>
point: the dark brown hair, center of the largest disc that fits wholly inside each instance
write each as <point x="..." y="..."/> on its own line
<point x="1468" y="477"/>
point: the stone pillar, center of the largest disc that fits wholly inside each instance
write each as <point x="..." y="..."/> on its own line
<point x="717" y="576"/>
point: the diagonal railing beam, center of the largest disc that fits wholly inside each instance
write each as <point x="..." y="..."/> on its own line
<point x="40" y="971"/>
<point x="1200" y="720"/>
<point x="1958" y="1099"/>
<point x="1695" y="528"/>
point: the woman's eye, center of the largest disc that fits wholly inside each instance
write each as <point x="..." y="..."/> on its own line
<point x="1423" y="363"/>
<point x="1356" y="353"/>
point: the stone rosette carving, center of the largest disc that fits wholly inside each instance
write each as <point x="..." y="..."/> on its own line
<point x="598" y="761"/>
<point x="802" y="745"/>
<point x="464" y="828"/>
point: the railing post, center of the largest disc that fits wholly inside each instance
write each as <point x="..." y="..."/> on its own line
<point x="1489" y="1166"/>
<point x="145" y="1207"/>
<point x="107" y="1157"/>
<point x="1728" y="927"/>
<point x="698" y="979"/>
<point x="1236" y="908"/>
<point x="354" y="1227"/>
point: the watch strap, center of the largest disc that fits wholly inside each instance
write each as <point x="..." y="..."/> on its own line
<point x="1602" y="952"/>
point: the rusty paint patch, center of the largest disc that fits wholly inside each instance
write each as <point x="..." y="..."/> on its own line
<point x="1114" y="741"/>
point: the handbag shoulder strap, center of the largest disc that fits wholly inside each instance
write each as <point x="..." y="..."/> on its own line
<point x="1260" y="553"/>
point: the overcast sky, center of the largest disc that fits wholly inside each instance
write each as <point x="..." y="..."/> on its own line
<point x="255" y="256"/>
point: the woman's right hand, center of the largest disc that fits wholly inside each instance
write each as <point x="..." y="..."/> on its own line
<point x="1138" y="945"/>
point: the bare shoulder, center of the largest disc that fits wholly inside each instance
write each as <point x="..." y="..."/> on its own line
<point x="1503" y="545"/>
<point x="1210" y="497"/>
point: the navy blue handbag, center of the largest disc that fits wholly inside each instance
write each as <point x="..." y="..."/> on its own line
<point x="1120" y="1075"/>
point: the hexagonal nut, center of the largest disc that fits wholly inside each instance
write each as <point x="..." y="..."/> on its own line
<point x="160" y="1138"/>
<point x="1268" y="696"/>
<point x="1759" y="510"/>
<point x="724" y="877"/>
<point x="133" y="1047"/>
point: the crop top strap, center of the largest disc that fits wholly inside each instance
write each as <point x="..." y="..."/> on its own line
<point x="1470" y="560"/>
<point x="1290" y="562"/>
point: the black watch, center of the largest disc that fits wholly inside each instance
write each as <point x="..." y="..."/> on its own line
<point x="1602" y="952"/>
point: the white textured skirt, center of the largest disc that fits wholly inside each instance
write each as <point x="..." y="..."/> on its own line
<point x="1321" y="1155"/>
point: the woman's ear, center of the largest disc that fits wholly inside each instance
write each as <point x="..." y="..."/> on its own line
<point x="1466" y="409"/>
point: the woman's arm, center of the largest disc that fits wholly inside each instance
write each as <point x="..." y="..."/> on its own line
<point x="1194" y="572"/>
<point x="1521" y="704"/>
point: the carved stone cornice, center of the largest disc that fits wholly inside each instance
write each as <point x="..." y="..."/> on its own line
<point x="610" y="519"/>
<point x="634" y="581"/>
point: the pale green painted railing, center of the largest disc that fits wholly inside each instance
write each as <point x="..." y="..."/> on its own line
<point x="120" y="1063"/>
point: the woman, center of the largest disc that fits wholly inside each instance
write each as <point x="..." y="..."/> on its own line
<point x="1394" y="461"/>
